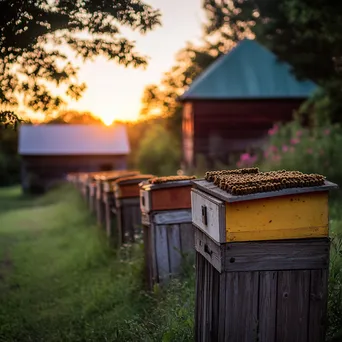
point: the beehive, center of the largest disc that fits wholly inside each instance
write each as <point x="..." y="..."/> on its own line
<point x="289" y="213"/>
<point x="127" y="204"/>
<point x="108" y="198"/>
<point x="168" y="234"/>
<point x="102" y="180"/>
<point x="262" y="262"/>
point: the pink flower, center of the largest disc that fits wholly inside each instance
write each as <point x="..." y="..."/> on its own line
<point x="285" y="148"/>
<point x="266" y="154"/>
<point x="299" y="134"/>
<point x="245" y="157"/>
<point x="239" y="164"/>
<point x="327" y="131"/>
<point x="274" y="130"/>
<point x="309" y="150"/>
<point x="274" y="148"/>
<point x="295" y="141"/>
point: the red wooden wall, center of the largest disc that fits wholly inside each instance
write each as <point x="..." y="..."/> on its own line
<point x="215" y="129"/>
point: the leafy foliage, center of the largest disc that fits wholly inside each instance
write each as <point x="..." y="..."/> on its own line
<point x="75" y="117"/>
<point x="33" y="35"/>
<point x="159" y="152"/>
<point x="9" y="119"/>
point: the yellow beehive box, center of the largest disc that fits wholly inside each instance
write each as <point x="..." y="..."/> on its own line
<point x="293" y="213"/>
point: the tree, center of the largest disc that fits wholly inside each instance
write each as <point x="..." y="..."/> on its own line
<point x="75" y="117"/>
<point x="162" y="99"/>
<point x="33" y="32"/>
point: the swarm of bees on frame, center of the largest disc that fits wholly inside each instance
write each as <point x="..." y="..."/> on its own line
<point x="251" y="180"/>
<point x="159" y="180"/>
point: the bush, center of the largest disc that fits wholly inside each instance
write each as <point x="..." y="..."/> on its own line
<point x="294" y="147"/>
<point x="158" y="153"/>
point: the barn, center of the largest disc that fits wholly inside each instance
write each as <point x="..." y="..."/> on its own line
<point x="49" y="152"/>
<point x="231" y="106"/>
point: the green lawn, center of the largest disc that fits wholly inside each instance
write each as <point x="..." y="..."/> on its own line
<point x="59" y="280"/>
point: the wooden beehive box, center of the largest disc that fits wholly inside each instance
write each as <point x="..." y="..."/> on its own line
<point x="285" y="214"/>
<point x="108" y="198"/>
<point x="262" y="264"/>
<point x="127" y="203"/>
<point x="168" y="232"/>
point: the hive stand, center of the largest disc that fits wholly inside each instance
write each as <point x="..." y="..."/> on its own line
<point x="167" y="228"/>
<point x="262" y="264"/>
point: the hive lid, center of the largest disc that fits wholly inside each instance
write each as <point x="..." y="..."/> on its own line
<point x="135" y="179"/>
<point x="167" y="182"/>
<point x="215" y="191"/>
<point x="113" y="176"/>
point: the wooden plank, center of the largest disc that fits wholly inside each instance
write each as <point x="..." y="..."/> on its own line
<point x="267" y="305"/>
<point x="318" y="305"/>
<point x="162" y="255"/>
<point x="241" y="306"/>
<point x="172" y="216"/>
<point x="127" y="226"/>
<point x="145" y="201"/>
<point x="207" y="214"/>
<point x="210" y="250"/>
<point x="214" y="327"/>
<point x="205" y="301"/>
<point x="171" y="198"/>
<point x="292" y="306"/>
<point x="108" y="219"/>
<point x="153" y="253"/>
<point x="218" y="193"/>
<point x="187" y="238"/>
<point x="173" y="184"/>
<point x="136" y="215"/>
<point x="147" y="256"/>
<point x="276" y="255"/>
<point x="199" y="297"/>
<point x="222" y="307"/>
<point x="286" y="217"/>
<point x="174" y="248"/>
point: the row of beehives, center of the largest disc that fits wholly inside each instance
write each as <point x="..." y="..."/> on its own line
<point x="262" y="259"/>
<point x="127" y="205"/>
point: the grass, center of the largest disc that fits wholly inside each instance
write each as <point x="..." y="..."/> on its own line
<point x="60" y="281"/>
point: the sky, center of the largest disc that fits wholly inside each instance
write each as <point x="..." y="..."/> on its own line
<point x="114" y="92"/>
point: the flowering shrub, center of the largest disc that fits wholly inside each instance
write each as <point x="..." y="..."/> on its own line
<point x="294" y="147"/>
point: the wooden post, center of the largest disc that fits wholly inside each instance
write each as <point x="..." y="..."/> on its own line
<point x="167" y="228"/>
<point x="262" y="264"/>
<point x="127" y="204"/>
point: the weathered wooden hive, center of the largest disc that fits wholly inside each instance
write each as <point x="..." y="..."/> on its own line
<point x="262" y="256"/>
<point x="108" y="198"/>
<point x="100" y="178"/>
<point x="168" y="234"/>
<point x="127" y="204"/>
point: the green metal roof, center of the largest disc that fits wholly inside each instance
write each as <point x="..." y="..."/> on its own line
<point x="249" y="71"/>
